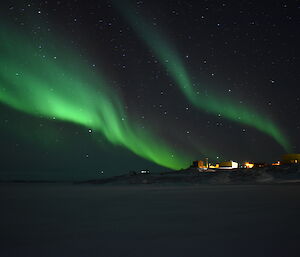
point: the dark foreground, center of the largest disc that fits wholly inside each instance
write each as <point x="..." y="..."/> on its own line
<point x="62" y="220"/>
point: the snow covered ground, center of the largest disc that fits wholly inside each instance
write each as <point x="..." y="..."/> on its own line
<point x="61" y="220"/>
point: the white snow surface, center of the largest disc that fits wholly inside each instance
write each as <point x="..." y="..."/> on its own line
<point x="61" y="220"/>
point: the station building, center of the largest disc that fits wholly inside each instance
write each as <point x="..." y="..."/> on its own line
<point x="290" y="158"/>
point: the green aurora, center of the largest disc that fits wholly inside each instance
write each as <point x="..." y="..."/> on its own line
<point x="36" y="81"/>
<point x="218" y="105"/>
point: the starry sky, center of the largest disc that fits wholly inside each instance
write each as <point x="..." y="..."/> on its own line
<point x="90" y="89"/>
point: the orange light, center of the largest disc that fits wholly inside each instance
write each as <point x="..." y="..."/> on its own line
<point x="276" y="163"/>
<point x="249" y="165"/>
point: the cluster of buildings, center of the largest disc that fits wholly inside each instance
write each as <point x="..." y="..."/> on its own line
<point x="293" y="158"/>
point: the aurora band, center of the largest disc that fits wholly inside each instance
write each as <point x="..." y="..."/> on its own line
<point x="53" y="83"/>
<point x="213" y="104"/>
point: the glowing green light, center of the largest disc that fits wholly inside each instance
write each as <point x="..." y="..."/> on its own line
<point x="58" y="86"/>
<point x="213" y="104"/>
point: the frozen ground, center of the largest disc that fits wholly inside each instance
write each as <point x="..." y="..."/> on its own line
<point x="62" y="220"/>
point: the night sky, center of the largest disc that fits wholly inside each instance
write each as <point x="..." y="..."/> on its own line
<point x="90" y="89"/>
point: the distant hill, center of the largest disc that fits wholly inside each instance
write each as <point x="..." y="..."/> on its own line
<point x="266" y="175"/>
